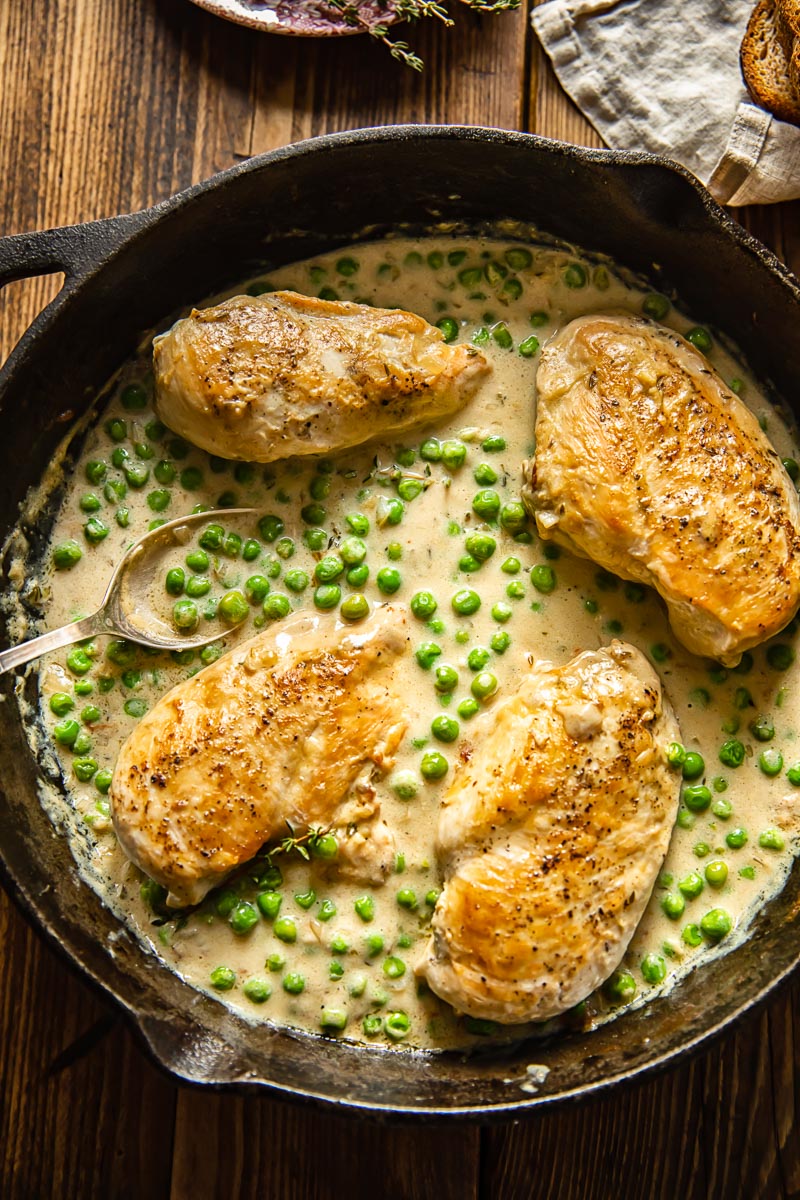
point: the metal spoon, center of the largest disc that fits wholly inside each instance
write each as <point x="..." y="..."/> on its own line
<point x="125" y="610"/>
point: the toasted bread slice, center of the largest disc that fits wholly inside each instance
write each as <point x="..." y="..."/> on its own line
<point x="765" y="66"/>
<point x="787" y="21"/>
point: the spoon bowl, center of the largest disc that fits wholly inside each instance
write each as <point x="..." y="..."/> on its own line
<point x="126" y="610"/>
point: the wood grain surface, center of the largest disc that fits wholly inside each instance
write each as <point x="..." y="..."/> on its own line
<point x="110" y="105"/>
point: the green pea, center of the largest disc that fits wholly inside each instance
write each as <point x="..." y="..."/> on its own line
<point x="620" y="988"/>
<point x="285" y="929"/>
<point x="320" y="487"/>
<point x="66" y="555"/>
<point x="700" y="339"/>
<point x="513" y="516"/>
<point x="425" y="654"/>
<point x="444" y="729"/>
<point x="716" y="873"/>
<point x="660" y="652"/>
<point x="95" y="530"/>
<point x="96" y="471"/>
<point x="135" y="708"/>
<point x="736" y="838"/>
<point x="61" y="704"/>
<point x="486" y="504"/>
<point x="257" y="991"/>
<point x="732" y="754"/>
<point x="89" y="502"/>
<point x="79" y="661"/>
<point x="528" y="346"/>
<point x="502" y="336"/>
<point x="771" y="762"/>
<point x="454" y="454"/>
<point x="449" y="328"/>
<point x="468" y="708"/>
<point x="276" y="606"/>
<point x="116" y="429"/>
<point x="123" y="517"/>
<point x="358" y="524"/>
<point x="780" y="656"/>
<point x="191" y="478"/>
<point x="478" y="658"/>
<point x="502" y="612"/>
<point x="434" y="765"/>
<point x="175" y="581"/>
<point x="465" y="602"/>
<point x="355" y="607"/>
<point x="691" y="935"/>
<point x="693" y="765"/>
<point x="102" y="781"/>
<point x="404" y="784"/>
<point x="793" y="775"/>
<point x="500" y="641"/>
<point x="197" y="586"/>
<point x="243" y="917"/>
<point x="327" y="596"/>
<point x="575" y="275"/>
<point x="543" y="578"/>
<point x="771" y="839"/>
<point x="673" y="905"/>
<point x="269" y="904"/>
<point x="222" y="978"/>
<point x="655" y="306"/>
<point x="358" y="576"/>
<point x="212" y="537"/>
<point x="372" y="1025"/>
<point x="233" y="607"/>
<point x="696" y="798"/>
<point x="315" y="539"/>
<point x="388" y="580"/>
<point x="653" y="968"/>
<point x="324" y="846"/>
<point x="365" y="908"/>
<point x="389" y="511"/>
<point x="394" y="968"/>
<point x="446" y="678"/>
<point x="397" y="1025"/>
<point x="762" y="729"/>
<point x="691" y="885"/>
<point x="271" y="527"/>
<point x="792" y="468"/>
<point x="468" y="564"/>
<point x="293" y="983"/>
<point x="716" y="924"/>
<point x="84" y="768"/>
<point x="83" y="687"/>
<point x="407" y="898"/>
<point x="347" y="266"/>
<point x="275" y="962"/>
<point x="185" y="614"/>
<point x="306" y="899"/>
<point x="326" y="911"/>
<point x="483" y="685"/>
<point x="121" y="653"/>
<point x="722" y="808"/>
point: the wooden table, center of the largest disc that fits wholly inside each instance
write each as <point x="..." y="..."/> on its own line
<point x="110" y="105"/>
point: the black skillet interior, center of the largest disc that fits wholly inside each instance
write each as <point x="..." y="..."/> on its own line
<point x="126" y="275"/>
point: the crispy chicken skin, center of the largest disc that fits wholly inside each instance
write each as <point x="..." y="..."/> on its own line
<point x="647" y="463"/>
<point x="265" y="377"/>
<point x="551" y="836"/>
<point x="290" y="726"/>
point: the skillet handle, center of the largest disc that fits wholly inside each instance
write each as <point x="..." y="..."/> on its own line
<point x="73" y="249"/>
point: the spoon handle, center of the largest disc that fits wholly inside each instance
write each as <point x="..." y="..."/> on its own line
<point x="64" y="636"/>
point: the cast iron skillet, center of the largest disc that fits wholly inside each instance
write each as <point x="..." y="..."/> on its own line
<point x="125" y="275"/>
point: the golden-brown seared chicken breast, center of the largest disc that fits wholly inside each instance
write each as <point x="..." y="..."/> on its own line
<point x="551" y="836"/>
<point x="290" y="726"/>
<point x="647" y="463"/>
<point x="264" y="377"/>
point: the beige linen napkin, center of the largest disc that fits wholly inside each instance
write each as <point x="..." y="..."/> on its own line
<point x="664" y="75"/>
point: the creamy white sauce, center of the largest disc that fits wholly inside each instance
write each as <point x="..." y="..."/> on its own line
<point x="580" y="613"/>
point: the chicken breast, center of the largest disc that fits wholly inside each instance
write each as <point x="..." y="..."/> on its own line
<point x="264" y="377"/>
<point x="648" y="463"/>
<point x="290" y="726"/>
<point x="551" y="836"/>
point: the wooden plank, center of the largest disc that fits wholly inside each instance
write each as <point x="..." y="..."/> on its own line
<point x="99" y="1126"/>
<point x="228" y="1146"/>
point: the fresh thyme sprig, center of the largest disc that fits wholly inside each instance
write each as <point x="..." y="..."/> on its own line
<point x="412" y="10"/>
